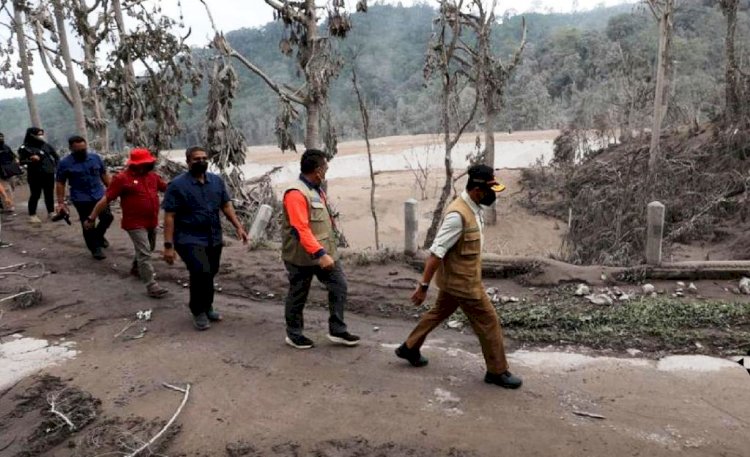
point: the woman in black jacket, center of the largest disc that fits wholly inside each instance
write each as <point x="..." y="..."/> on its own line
<point x="8" y="169"/>
<point x="41" y="161"/>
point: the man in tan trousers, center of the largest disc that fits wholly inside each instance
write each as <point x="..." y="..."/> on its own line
<point x="456" y="261"/>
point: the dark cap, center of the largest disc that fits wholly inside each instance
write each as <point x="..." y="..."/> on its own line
<point x="483" y="175"/>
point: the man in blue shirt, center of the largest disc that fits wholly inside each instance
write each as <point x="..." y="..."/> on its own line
<point x="192" y="229"/>
<point x="84" y="170"/>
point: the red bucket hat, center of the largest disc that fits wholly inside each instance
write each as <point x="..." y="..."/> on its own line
<point x="140" y="156"/>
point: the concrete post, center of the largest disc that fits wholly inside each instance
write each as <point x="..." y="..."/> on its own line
<point x="654" y="232"/>
<point x="411" y="227"/>
<point x="258" y="228"/>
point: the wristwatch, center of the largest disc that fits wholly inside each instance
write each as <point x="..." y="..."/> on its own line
<point x="424" y="286"/>
<point x="168" y="245"/>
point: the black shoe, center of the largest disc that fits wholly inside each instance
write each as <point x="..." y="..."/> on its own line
<point x="105" y="243"/>
<point x="413" y="356"/>
<point x="213" y="316"/>
<point x="201" y="322"/>
<point x="98" y="254"/>
<point x="299" y="342"/>
<point x="506" y="380"/>
<point x="345" y="338"/>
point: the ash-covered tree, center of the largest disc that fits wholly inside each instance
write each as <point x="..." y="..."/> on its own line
<point x="317" y="61"/>
<point x="454" y="74"/>
<point x="15" y="53"/>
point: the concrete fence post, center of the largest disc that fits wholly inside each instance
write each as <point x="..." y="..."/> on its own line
<point x="654" y="232"/>
<point x="258" y="228"/>
<point x="411" y="227"/>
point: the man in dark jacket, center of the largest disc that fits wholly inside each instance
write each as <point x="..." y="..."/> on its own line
<point x="8" y="169"/>
<point x="41" y="161"/>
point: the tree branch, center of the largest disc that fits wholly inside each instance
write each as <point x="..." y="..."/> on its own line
<point x="43" y="57"/>
<point x="460" y="132"/>
<point x="271" y="83"/>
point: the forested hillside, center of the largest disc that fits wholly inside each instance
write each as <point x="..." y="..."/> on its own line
<point x="593" y="69"/>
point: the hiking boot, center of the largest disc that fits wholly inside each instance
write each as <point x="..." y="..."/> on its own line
<point x="506" y="380"/>
<point x="213" y="316"/>
<point x="345" y="338"/>
<point x="299" y="341"/>
<point x="98" y="254"/>
<point x="134" y="270"/>
<point x="156" y="291"/>
<point x="34" y="220"/>
<point x="201" y="322"/>
<point x="412" y="356"/>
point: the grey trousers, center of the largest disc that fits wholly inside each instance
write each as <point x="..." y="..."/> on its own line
<point x="144" y="242"/>
<point x="300" y="279"/>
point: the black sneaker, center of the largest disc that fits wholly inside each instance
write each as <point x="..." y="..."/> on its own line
<point x="299" y="342"/>
<point x="506" y="380"/>
<point x="412" y="355"/>
<point x="213" y="316"/>
<point x="201" y="322"/>
<point x="345" y="338"/>
<point x="98" y="254"/>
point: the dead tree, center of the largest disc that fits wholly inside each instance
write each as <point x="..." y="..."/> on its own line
<point x="67" y="61"/>
<point x="663" y="11"/>
<point x="147" y="106"/>
<point x="736" y="110"/>
<point x="366" y="131"/>
<point x="317" y="61"/>
<point x="16" y="22"/>
<point x="491" y="74"/>
<point x="442" y="62"/>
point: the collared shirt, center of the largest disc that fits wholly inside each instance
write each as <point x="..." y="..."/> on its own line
<point x="196" y="206"/>
<point x="139" y="198"/>
<point x="452" y="228"/>
<point x="299" y="218"/>
<point x="84" y="177"/>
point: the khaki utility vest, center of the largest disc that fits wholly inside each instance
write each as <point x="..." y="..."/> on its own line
<point x="460" y="272"/>
<point x="320" y="224"/>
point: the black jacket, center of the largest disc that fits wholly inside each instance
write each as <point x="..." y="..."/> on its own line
<point x="8" y="165"/>
<point x="34" y="146"/>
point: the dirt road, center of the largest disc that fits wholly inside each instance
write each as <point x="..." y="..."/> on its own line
<point x="252" y="395"/>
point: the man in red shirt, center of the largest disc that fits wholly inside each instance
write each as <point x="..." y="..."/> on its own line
<point x="138" y="188"/>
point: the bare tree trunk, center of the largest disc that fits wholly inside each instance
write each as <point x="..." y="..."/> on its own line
<point x="23" y="59"/>
<point x="312" y="127"/>
<point x="729" y="7"/>
<point x="661" y="94"/>
<point x="313" y="103"/>
<point x="75" y="94"/>
<point x="490" y="117"/>
<point x="366" y="130"/>
<point x="437" y="214"/>
<point x="120" y="21"/>
<point x="100" y="140"/>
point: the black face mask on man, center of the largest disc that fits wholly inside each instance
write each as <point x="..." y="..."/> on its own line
<point x="79" y="154"/>
<point x="198" y="168"/>
<point x="489" y="197"/>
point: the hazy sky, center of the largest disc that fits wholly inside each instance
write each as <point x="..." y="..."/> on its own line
<point x="234" y="14"/>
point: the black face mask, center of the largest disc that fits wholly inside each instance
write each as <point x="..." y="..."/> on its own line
<point x="489" y="198"/>
<point x="198" y="168"/>
<point x="79" y="155"/>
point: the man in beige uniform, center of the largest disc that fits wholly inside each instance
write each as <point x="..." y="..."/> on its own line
<point x="456" y="261"/>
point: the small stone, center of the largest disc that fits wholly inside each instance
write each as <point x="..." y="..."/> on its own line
<point x="698" y="345"/>
<point x="654" y="295"/>
<point x="184" y="284"/>
<point x="456" y="325"/>
<point x="270" y="296"/>
<point x="633" y="352"/>
<point x="624" y="297"/>
<point x="692" y="288"/>
<point x="745" y="286"/>
<point x="680" y="284"/>
<point x="648" y="289"/>
<point x="376" y="329"/>
<point x="504" y="299"/>
<point x="582" y="290"/>
<point x="599" y="299"/>
<point x="678" y="290"/>
<point x="514" y="299"/>
<point x="680" y="293"/>
<point x="491" y="291"/>
<point x="603" y="277"/>
<point x="24" y="252"/>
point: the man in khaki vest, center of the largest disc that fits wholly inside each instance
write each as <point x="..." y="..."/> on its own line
<point x="456" y="261"/>
<point x="309" y="249"/>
